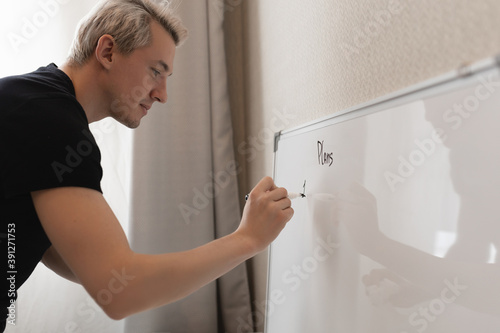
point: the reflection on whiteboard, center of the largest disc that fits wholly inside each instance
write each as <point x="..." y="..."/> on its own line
<point x="401" y="225"/>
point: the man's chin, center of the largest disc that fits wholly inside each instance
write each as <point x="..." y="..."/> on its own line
<point x="127" y="122"/>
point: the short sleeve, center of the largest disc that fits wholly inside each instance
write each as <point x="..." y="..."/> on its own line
<point x="46" y="143"/>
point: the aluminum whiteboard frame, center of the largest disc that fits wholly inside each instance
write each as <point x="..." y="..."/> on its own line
<point x="439" y="85"/>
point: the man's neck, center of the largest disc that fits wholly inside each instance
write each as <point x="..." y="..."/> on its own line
<point x="89" y="94"/>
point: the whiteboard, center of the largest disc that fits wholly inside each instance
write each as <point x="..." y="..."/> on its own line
<point x="400" y="228"/>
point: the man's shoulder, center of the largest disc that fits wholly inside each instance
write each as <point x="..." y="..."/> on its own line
<point x="45" y="95"/>
<point x="45" y="82"/>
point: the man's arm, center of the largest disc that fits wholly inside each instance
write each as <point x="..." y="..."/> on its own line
<point x="89" y="239"/>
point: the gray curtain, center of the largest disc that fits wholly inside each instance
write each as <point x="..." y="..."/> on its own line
<point x="184" y="188"/>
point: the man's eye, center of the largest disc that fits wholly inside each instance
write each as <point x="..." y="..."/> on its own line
<point x="156" y="72"/>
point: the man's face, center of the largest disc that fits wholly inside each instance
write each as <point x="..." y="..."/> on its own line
<point x="140" y="79"/>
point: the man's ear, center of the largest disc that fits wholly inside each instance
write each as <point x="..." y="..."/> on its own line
<point x="105" y="50"/>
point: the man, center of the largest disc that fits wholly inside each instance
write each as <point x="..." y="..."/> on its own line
<point x="51" y="204"/>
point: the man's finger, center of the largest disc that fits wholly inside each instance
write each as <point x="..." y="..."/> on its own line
<point x="278" y="194"/>
<point x="266" y="184"/>
<point x="284" y="203"/>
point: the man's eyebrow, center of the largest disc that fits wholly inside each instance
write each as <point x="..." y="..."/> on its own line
<point x="166" y="68"/>
<point x="164" y="65"/>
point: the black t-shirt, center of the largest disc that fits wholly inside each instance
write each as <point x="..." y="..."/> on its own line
<point x="45" y="142"/>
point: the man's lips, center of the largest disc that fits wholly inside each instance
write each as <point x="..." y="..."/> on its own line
<point x="145" y="108"/>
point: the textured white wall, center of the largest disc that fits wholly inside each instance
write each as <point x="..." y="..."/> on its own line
<point x="304" y="60"/>
<point x="319" y="57"/>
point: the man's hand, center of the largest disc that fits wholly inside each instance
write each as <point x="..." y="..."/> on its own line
<point x="266" y="213"/>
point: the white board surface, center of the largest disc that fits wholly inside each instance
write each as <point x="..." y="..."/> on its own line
<point x="400" y="229"/>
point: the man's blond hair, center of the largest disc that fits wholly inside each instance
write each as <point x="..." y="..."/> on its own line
<point x="128" y="22"/>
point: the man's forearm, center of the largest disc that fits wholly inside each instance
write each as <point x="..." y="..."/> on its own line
<point x="150" y="281"/>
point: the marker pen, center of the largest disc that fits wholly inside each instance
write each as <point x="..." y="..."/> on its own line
<point x="291" y="195"/>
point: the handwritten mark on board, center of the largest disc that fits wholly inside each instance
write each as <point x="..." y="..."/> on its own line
<point x="324" y="158"/>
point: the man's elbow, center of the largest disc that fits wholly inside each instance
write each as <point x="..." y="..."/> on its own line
<point x="117" y="302"/>
<point x="113" y="313"/>
<point x="121" y="308"/>
<point x="116" y="309"/>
